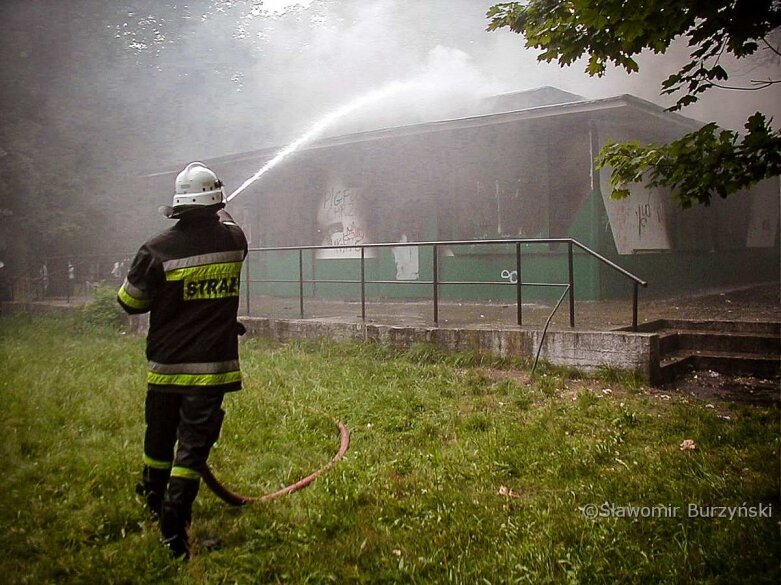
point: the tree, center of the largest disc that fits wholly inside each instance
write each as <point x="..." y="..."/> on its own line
<point x="702" y="163"/>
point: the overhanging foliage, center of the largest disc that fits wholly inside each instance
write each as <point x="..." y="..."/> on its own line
<point x="704" y="162"/>
<point x="725" y="162"/>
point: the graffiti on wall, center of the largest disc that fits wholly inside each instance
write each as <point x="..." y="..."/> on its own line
<point x="510" y="275"/>
<point x="340" y="221"/>
<point x="638" y="222"/>
<point x="646" y="213"/>
<point x="345" y="235"/>
<point x="341" y="202"/>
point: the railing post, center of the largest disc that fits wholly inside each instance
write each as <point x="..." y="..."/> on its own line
<point x="313" y="264"/>
<point x="435" y="280"/>
<point x="634" y="305"/>
<point x="301" y="282"/>
<point x="570" y="262"/>
<point x="518" y="281"/>
<point x="363" y="284"/>
<point x="247" y="278"/>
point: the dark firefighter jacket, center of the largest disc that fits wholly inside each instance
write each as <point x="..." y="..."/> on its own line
<point x="187" y="277"/>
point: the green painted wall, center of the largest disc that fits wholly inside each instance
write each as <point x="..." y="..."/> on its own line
<point x="686" y="268"/>
<point x="541" y="263"/>
<point x="536" y="267"/>
<point x="667" y="272"/>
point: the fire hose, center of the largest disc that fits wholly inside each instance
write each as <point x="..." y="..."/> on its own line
<point x="235" y="499"/>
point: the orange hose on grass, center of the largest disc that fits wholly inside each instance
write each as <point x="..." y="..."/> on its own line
<point x="235" y="499"/>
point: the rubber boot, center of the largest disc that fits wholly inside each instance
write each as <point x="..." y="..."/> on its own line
<point x="177" y="515"/>
<point x="152" y="489"/>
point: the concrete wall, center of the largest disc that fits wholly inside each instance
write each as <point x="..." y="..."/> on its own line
<point x="584" y="350"/>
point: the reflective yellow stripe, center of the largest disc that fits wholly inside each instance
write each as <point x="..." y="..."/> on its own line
<point x="194" y="367"/>
<point x="186" y="473"/>
<point x="134" y="291"/>
<point x="193" y="379"/>
<point x="132" y="301"/>
<point x="203" y="260"/>
<point x="220" y="269"/>
<point x="156" y="463"/>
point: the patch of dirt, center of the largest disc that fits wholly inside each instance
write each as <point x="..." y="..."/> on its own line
<point x="522" y="378"/>
<point x="711" y="386"/>
<point x="708" y="386"/>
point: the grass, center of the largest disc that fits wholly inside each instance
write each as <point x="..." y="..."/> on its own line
<point x="462" y="469"/>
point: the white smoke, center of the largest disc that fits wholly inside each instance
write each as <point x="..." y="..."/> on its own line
<point x="445" y="85"/>
<point x="325" y="54"/>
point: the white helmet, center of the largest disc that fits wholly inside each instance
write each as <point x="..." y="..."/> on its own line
<point x="196" y="186"/>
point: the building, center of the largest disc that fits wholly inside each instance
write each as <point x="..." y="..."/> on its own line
<point x="519" y="165"/>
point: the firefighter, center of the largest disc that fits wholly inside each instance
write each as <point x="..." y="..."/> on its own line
<point x="187" y="278"/>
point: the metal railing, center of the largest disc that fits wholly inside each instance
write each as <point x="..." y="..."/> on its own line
<point x="67" y="276"/>
<point x="436" y="283"/>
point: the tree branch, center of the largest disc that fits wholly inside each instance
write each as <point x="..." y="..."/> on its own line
<point x="771" y="47"/>
<point x="759" y="85"/>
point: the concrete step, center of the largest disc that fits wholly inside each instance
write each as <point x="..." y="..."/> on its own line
<point x="758" y="327"/>
<point x="674" y="366"/>
<point x="743" y="343"/>
<point x="750" y="348"/>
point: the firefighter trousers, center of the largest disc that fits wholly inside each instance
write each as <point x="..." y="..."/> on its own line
<point x="187" y="423"/>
